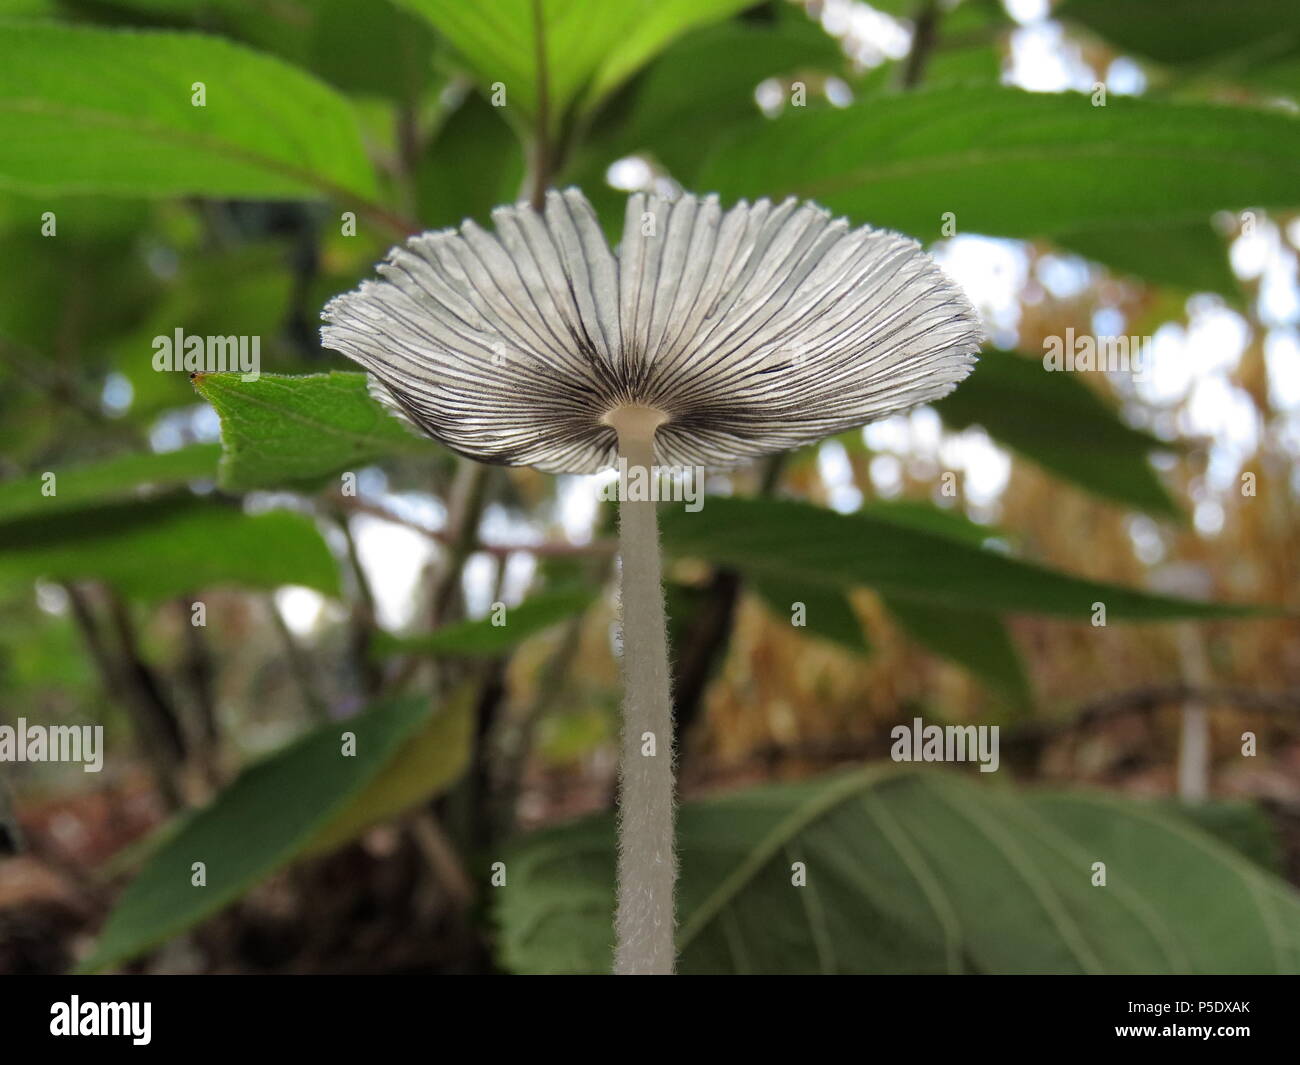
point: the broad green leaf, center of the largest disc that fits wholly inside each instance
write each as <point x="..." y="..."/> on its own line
<point x="905" y="161"/>
<point x="590" y="48"/>
<point x="166" y="547"/>
<point x="1057" y="421"/>
<point x="482" y="638"/>
<point x="300" y="800"/>
<point x="93" y="110"/>
<point x="827" y="611"/>
<point x="1144" y="844"/>
<point x="118" y="478"/>
<point x="799" y="541"/>
<point x="723" y="65"/>
<point x="473" y="165"/>
<point x="377" y="47"/>
<point x="1180" y="32"/>
<point x="917" y="514"/>
<point x="975" y="639"/>
<point x="291" y="430"/>
<point x="1191" y="257"/>
<point x="914" y="872"/>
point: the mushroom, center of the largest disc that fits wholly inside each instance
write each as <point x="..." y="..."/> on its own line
<point x="708" y="339"/>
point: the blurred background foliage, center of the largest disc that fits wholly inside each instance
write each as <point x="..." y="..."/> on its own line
<point x="1111" y="167"/>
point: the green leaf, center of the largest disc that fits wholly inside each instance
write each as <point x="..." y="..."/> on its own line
<point x="297" y="801"/>
<point x="119" y="478"/>
<point x="1190" y="257"/>
<point x="167" y="547"/>
<point x="1057" y="421"/>
<point x="1179" y="32"/>
<point x="294" y="430"/>
<point x="914" y="872"/>
<point x="482" y="639"/>
<point x="798" y="541"/>
<point x="828" y="612"/>
<point x="1191" y="873"/>
<point x="474" y="165"/>
<point x="917" y="514"/>
<point x="975" y="639"/>
<point x="590" y="48"/>
<point x="905" y="161"/>
<point x="723" y="65"/>
<point x="91" y="110"/>
<point x="429" y="760"/>
<point x="377" y="48"/>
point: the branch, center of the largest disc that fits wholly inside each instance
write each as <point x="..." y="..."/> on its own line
<point x="925" y="35"/>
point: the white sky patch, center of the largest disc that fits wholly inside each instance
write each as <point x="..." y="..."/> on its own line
<point x="303" y="609"/>
<point x="919" y="439"/>
<point x="1145" y="537"/>
<point x="1250" y="252"/>
<point x="1026" y="11"/>
<point x="1064" y="276"/>
<point x="478" y="583"/>
<point x="394" y="559"/>
<point x="886" y="473"/>
<point x="189" y="425"/>
<point x="1211" y="344"/>
<point x="521" y="568"/>
<point x="836" y="473"/>
<point x="1125" y="78"/>
<point x="51" y="598"/>
<point x="1282" y="355"/>
<point x="869" y="36"/>
<point x="117" y="394"/>
<point x="1042" y="60"/>
<point x="991" y="272"/>
<point x="630" y="174"/>
<point x="578" y="501"/>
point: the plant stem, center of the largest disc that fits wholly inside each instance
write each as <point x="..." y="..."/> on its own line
<point x="541" y="162"/>
<point x="647" y="868"/>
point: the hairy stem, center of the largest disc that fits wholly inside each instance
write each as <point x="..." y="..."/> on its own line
<point x="647" y="868"/>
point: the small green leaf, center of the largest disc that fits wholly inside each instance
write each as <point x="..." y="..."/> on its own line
<point x="798" y="541"/>
<point x="300" y="800"/>
<point x="92" y="110"/>
<point x="483" y="639"/>
<point x="292" y="430"/>
<point x="169" y="546"/>
<point x="119" y="478"/>
<point x="1056" y="420"/>
<point x="907" y="161"/>
<point x="591" y="49"/>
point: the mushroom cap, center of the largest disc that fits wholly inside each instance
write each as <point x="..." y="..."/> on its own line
<point x="755" y="330"/>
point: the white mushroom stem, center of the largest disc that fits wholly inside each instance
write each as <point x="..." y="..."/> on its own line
<point x="644" y="926"/>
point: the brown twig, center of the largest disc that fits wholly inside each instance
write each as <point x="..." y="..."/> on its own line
<point x="925" y="35"/>
<point x="128" y="677"/>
